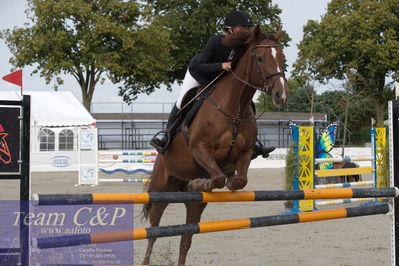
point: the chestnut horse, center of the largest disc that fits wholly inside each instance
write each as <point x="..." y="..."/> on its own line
<point x="221" y="137"/>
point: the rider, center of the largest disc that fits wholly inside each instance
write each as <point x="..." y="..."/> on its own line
<point x="205" y="67"/>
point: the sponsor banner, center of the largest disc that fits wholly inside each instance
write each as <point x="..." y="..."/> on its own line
<point x="10" y="134"/>
<point x="60" y="161"/>
<point x="88" y="139"/>
<point x="46" y="222"/>
<point x="54" y="161"/>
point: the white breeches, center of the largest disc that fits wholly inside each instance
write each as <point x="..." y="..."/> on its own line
<point x="188" y="83"/>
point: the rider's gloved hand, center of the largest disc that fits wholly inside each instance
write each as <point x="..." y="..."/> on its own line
<point x="226" y="66"/>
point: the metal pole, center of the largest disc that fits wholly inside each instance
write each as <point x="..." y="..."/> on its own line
<point x="394" y="171"/>
<point x="25" y="179"/>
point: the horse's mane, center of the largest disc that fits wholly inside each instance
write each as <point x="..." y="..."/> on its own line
<point x="240" y="42"/>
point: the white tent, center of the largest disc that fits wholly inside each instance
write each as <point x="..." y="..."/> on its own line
<point x="56" y="121"/>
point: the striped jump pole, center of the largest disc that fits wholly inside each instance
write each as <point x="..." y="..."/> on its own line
<point x="125" y="180"/>
<point x="207" y="227"/>
<point x="111" y="162"/>
<point x="10" y="256"/>
<point x="127" y="153"/>
<point x="88" y="265"/>
<point x="344" y="171"/>
<point x="344" y="159"/>
<point x="339" y="201"/>
<point x="127" y="161"/>
<point x="344" y="185"/>
<point x="238" y="196"/>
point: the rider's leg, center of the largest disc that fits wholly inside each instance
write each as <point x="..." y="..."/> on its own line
<point x="159" y="141"/>
<point x="259" y="149"/>
<point x="188" y="83"/>
<point x="161" y="144"/>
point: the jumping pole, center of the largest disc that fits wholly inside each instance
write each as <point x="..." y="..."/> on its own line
<point x="207" y="227"/>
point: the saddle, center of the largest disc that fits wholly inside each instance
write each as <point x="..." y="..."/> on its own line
<point x="191" y="103"/>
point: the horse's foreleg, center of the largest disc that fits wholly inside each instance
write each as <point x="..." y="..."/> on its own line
<point x="240" y="180"/>
<point x="194" y="211"/>
<point x="202" y="155"/>
<point x="156" y="212"/>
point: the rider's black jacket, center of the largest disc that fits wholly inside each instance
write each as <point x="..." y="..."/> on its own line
<point x="205" y="66"/>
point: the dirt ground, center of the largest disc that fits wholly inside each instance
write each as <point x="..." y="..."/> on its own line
<point x="352" y="241"/>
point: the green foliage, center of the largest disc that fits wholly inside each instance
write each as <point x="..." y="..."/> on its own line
<point x="192" y="22"/>
<point x="291" y="163"/>
<point x="385" y="151"/>
<point x="291" y="168"/>
<point x="334" y="104"/>
<point x="92" y="40"/>
<point x="351" y="108"/>
<point x="356" y="40"/>
<point x="299" y="101"/>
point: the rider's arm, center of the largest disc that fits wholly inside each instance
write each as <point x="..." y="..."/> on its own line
<point x="203" y="62"/>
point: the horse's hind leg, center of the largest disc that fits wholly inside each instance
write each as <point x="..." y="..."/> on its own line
<point x="156" y="211"/>
<point x="194" y="211"/>
<point x="160" y="182"/>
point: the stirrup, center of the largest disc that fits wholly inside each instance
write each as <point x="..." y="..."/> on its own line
<point x="158" y="144"/>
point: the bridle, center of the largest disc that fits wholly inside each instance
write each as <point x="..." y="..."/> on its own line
<point x="266" y="88"/>
<point x="236" y="119"/>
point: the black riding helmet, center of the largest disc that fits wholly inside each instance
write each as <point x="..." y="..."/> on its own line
<point x="237" y="18"/>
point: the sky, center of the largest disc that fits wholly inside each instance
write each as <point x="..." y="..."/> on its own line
<point x="295" y="14"/>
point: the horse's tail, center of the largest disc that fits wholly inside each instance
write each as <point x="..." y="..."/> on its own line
<point x="146" y="208"/>
<point x="156" y="173"/>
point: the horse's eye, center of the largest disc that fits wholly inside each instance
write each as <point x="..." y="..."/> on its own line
<point x="259" y="59"/>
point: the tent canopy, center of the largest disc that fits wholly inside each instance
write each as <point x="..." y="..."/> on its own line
<point x="54" y="109"/>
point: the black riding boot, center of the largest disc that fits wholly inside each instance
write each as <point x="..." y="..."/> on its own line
<point x="162" y="139"/>
<point x="259" y="149"/>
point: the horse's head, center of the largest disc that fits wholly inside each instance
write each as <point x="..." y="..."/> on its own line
<point x="259" y="57"/>
<point x="268" y="62"/>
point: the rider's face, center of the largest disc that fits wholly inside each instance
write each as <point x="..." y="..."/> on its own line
<point x="240" y="29"/>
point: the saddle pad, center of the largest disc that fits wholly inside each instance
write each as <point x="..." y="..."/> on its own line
<point x="191" y="110"/>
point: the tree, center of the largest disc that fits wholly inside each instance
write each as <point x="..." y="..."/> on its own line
<point x="192" y="22"/>
<point x="94" y="40"/>
<point x="300" y="99"/>
<point x="352" y="109"/>
<point x="357" y="41"/>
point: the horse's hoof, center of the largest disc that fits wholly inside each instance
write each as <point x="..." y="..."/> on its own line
<point x="219" y="182"/>
<point x="229" y="186"/>
<point x="190" y="187"/>
<point x="236" y="184"/>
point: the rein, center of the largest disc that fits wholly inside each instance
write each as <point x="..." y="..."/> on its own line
<point x="266" y="88"/>
<point x="236" y="118"/>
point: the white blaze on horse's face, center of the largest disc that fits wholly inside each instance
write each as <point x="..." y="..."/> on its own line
<point x="282" y="81"/>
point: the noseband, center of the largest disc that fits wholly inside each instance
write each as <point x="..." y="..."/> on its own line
<point x="266" y="88"/>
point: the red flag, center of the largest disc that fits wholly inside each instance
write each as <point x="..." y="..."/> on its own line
<point x="14" y="77"/>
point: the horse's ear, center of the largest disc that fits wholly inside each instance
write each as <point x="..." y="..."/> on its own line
<point x="278" y="34"/>
<point x="257" y="32"/>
